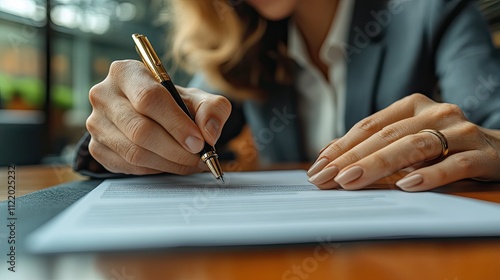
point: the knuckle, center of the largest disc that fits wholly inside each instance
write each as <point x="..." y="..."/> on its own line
<point x="494" y="154"/>
<point x="464" y="164"/>
<point x="414" y="100"/>
<point x="421" y="141"/>
<point x="440" y="173"/>
<point x="178" y="129"/>
<point x="148" y="97"/>
<point x="389" y="134"/>
<point x="470" y="129"/>
<point x="447" y="110"/>
<point x="139" y="130"/>
<point x="417" y="97"/>
<point x="423" y="145"/>
<point x="95" y="94"/>
<point x="222" y="104"/>
<point x="186" y="92"/>
<point x="94" y="150"/>
<point x="351" y="157"/>
<point x="134" y="154"/>
<point x="382" y="162"/>
<point x="90" y="124"/>
<point x="333" y="150"/>
<point x="117" y="67"/>
<point x="368" y="125"/>
<point x="98" y="153"/>
<point x="328" y="146"/>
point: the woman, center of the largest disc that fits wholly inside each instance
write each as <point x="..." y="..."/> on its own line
<point x="301" y="74"/>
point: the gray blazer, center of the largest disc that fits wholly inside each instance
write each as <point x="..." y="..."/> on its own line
<point x="440" y="48"/>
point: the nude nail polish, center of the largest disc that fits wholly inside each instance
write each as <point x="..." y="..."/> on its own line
<point x="317" y="166"/>
<point x="410" y="181"/>
<point x="324" y="175"/>
<point x="349" y="175"/>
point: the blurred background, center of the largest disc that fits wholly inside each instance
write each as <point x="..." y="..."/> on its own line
<point x="53" y="51"/>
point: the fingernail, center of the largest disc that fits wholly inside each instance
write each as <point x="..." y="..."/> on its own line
<point x="212" y="128"/>
<point x="324" y="175"/>
<point x="194" y="144"/>
<point x="349" y="175"/>
<point x="410" y="181"/>
<point x="317" y="166"/>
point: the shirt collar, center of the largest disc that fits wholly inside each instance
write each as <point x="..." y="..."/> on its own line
<point x="336" y="38"/>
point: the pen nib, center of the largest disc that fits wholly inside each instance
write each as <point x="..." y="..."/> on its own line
<point x="210" y="159"/>
<point x="222" y="179"/>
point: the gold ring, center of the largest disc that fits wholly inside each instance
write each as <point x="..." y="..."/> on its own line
<point x="442" y="138"/>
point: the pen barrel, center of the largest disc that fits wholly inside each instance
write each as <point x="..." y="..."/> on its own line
<point x="177" y="97"/>
<point x="206" y="149"/>
<point x="152" y="61"/>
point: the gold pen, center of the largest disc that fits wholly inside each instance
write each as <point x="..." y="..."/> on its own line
<point x="152" y="61"/>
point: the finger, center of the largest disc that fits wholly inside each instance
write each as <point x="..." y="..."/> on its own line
<point x="141" y="161"/>
<point x="353" y="176"/>
<point x="469" y="164"/>
<point x="379" y="140"/>
<point x="324" y="179"/>
<point x="114" y="163"/>
<point x="450" y="115"/>
<point x="105" y="133"/>
<point x="405" y="152"/>
<point x="211" y="112"/>
<point x="320" y="163"/>
<point x="364" y="129"/>
<point x="150" y="98"/>
<point x="146" y="133"/>
<point x="331" y="142"/>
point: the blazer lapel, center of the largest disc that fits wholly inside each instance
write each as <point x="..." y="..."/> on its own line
<point x="364" y="53"/>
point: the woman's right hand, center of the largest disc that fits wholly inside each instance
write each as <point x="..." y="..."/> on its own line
<point x="137" y="128"/>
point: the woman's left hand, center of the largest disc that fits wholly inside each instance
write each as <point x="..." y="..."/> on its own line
<point x="389" y="141"/>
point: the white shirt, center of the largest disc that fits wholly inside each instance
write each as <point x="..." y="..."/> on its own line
<point x="322" y="102"/>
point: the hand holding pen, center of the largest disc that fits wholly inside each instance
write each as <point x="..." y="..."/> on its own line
<point x="153" y="62"/>
<point x="137" y="127"/>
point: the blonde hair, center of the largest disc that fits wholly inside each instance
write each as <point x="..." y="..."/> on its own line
<point x="237" y="50"/>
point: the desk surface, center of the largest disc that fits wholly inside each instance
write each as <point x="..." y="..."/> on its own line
<point x="440" y="259"/>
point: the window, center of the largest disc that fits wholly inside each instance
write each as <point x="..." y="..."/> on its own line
<point x="85" y="37"/>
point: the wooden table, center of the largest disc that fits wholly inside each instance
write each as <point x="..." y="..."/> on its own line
<point x="33" y="178"/>
<point x="435" y="259"/>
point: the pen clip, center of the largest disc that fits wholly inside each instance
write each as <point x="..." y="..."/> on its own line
<point x="149" y="57"/>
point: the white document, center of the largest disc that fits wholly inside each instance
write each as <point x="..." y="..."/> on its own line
<point x="252" y="208"/>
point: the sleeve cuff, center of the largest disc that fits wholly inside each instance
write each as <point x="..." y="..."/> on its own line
<point x="86" y="165"/>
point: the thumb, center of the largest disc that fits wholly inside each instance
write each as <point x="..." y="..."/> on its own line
<point x="211" y="111"/>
